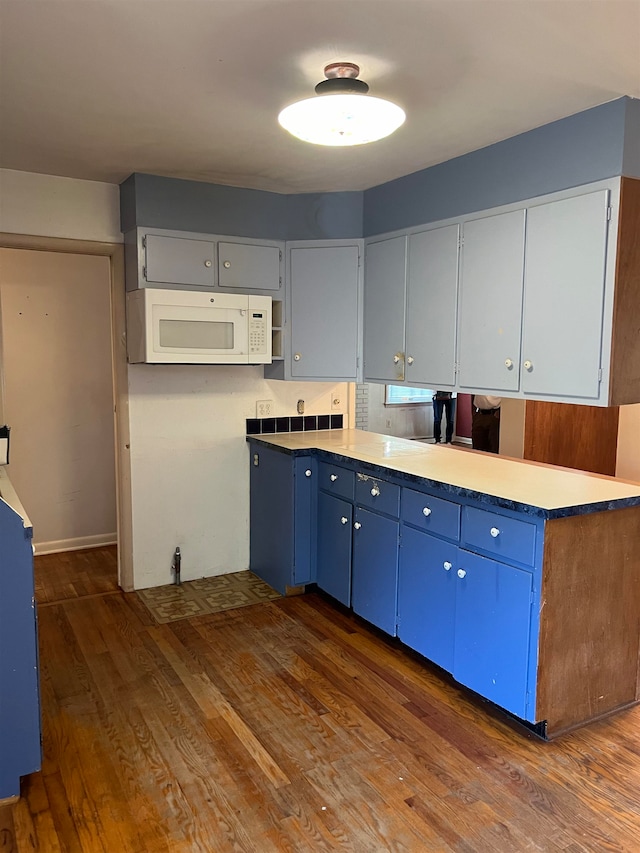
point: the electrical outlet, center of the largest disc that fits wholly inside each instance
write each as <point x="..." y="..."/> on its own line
<point x="264" y="409"/>
<point x="336" y="402"/>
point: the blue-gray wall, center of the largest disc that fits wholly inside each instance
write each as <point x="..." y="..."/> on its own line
<point x="599" y="143"/>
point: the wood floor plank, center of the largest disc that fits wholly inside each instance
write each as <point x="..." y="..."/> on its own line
<point x="289" y="727"/>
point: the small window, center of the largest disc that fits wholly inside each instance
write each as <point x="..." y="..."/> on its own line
<point x="401" y="395"/>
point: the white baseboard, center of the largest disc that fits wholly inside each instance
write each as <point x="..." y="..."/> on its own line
<point x="56" y="546"/>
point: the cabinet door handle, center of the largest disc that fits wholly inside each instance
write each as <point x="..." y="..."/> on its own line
<point x="494" y="532"/>
<point x="307" y="473"/>
<point x="375" y="491"/>
<point x="426" y="511"/>
<point x="508" y="363"/>
<point x="461" y="573"/>
<point x="225" y="264"/>
<point x="297" y="357"/>
<point x="344" y="519"/>
<point x="398" y="357"/>
<point x="447" y="566"/>
<point x="357" y="525"/>
<point x="410" y="360"/>
<point x="333" y="478"/>
<point x="528" y="365"/>
<point x="207" y="263"/>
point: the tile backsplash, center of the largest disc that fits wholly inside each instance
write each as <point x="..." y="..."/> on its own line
<point x="297" y="423"/>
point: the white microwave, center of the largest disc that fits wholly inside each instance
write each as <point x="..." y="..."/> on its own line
<point x="196" y="327"/>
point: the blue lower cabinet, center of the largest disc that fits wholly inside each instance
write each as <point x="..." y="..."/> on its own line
<point x="492" y="630"/>
<point x="374" y="584"/>
<point x="335" y="520"/>
<point x="283" y="502"/>
<point x="427" y="596"/>
<point x="19" y="680"/>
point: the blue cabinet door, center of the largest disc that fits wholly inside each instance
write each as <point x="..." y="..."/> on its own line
<point x="492" y="628"/>
<point x="374" y="585"/>
<point x="282" y="518"/>
<point x="335" y="519"/>
<point x="426" y="596"/>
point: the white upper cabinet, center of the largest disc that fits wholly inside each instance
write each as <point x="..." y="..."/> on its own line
<point x="249" y="266"/>
<point x="564" y="284"/>
<point x="491" y="275"/>
<point x="384" y="310"/>
<point x="432" y="277"/>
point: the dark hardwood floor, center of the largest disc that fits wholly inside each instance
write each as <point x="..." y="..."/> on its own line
<point x="289" y="726"/>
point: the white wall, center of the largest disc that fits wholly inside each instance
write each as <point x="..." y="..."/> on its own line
<point x="190" y="462"/>
<point x="189" y="458"/>
<point x="628" y="459"/>
<point x="51" y="206"/>
<point x="401" y="421"/>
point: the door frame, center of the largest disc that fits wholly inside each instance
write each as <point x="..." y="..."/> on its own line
<point x="119" y="375"/>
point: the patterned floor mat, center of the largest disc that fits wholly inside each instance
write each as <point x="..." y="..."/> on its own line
<point x="206" y="595"/>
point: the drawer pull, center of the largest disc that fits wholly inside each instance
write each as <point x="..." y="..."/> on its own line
<point x="307" y="473"/>
<point x="344" y="519"/>
<point x="447" y="566"/>
<point x="494" y="532"/>
<point x="426" y="511"/>
<point x="357" y="525"/>
<point x="333" y="478"/>
<point x="375" y="491"/>
<point x="461" y="573"/>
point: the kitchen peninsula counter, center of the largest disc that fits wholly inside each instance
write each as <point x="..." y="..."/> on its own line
<point x="521" y="580"/>
<point x="535" y="488"/>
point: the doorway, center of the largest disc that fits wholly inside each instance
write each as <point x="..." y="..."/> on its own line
<point x="69" y="443"/>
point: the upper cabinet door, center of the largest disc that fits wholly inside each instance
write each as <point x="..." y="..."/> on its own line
<point x="563" y="297"/>
<point x="324" y="293"/>
<point x="432" y="292"/>
<point x="491" y="282"/>
<point x="384" y="310"/>
<point x="249" y="267"/>
<point x="178" y="260"/>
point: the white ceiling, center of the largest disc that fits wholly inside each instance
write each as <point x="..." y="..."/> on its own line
<point x="98" y="89"/>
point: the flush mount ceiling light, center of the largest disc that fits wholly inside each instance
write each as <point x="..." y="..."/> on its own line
<point x="343" y="114"/>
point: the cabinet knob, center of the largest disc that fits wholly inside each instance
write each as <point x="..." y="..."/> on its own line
<point x="508" y="363"/>
<point x="225" y="264"/>
<point x="447" y="566"/>
<point x="398" y="357"/>
<point x="461" y="573"/>
<point x="344" y="519"/>
<point x="297" y="357"/>
<point x="357" y="525"/>
<point x="494" y="532"/>
<point x="375" y="491"/>
<point x="307" y="473"/>
<point x="207" y="263"/>
<point x="410" y="360"/>
<point x="528" y="365"/>
<point x="426" y="511"/>
<point x="333" y="478"/>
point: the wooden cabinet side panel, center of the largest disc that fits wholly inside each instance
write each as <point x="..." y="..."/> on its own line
<point x="573" y="436"/>
<point x="625" y="343"/>
<point x="590" y="617"/>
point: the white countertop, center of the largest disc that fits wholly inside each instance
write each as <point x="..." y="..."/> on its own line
<point x="533" y="484"/>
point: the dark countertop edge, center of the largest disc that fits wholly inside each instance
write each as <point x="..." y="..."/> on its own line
<point x="449" y="488"/>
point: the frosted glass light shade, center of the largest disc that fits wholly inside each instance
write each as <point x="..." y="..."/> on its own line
<point x="341" y="119"/>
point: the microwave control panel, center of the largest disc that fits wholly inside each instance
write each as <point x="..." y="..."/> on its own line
<point x="257" y="332"/>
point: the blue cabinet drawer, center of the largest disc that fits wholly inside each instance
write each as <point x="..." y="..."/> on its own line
<point x="336" y="480"/>
<point x="434" y="515"/>
<point x="504" y="537"/>
<point x="377" y="495"/>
